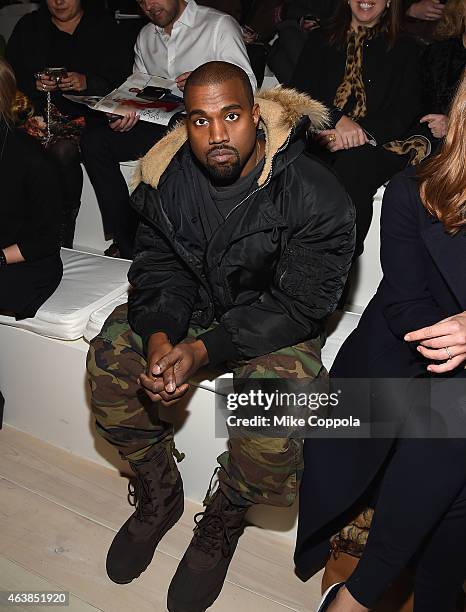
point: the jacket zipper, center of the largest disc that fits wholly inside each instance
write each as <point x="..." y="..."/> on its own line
<point x="282" y="148"/>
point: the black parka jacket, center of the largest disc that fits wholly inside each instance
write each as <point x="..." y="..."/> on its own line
<point x="271" y="273"/>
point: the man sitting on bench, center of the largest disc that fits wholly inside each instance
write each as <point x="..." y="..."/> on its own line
<point x="242" y="252"/>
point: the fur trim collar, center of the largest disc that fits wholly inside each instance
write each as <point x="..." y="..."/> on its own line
<point x="280" y="109"/>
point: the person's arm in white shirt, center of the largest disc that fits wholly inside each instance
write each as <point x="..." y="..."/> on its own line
<point x="230" y="47"/>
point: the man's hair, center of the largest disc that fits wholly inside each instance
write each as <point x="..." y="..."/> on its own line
<point x="215" y="73"/>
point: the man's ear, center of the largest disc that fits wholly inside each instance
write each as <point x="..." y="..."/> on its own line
<point x="256" y="114"/>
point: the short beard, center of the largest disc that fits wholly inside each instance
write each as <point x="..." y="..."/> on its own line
<point x="227" y="173"/>
<point x="171" y="17"/>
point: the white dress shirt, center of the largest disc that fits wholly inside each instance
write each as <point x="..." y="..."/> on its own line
<point x="201" y="34"/>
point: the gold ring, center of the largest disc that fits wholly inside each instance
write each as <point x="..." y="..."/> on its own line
<point x="450" y="357"/>
<point x="331" y="137"/>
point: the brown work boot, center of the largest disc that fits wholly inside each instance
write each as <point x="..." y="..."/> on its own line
<point x="202" y="570"/>
<point x="158" y="498"/>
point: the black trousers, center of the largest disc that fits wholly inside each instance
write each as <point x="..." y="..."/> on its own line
<point x="25" y="286"/>
<point x="102" y="151"/>
<point x="420" y="520"/>
<point x="362" y="171"/>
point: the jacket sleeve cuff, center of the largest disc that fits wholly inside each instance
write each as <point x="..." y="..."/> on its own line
<point x="159" y="322"/>
<point x="219" y="345"/>
<point x="335" y="115"/>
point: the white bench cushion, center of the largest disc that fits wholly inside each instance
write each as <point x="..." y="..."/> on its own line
<point x="98" y="317"/>
<point x="89" y="282"/>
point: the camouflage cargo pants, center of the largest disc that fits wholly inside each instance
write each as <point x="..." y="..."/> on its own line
<point x="260" y="470"/>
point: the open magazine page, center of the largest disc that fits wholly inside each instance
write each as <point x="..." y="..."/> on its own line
<point x="125" y="99"/>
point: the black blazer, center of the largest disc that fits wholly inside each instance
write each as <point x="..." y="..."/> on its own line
<point x="392" y="80"/>
<point x="424" y="281"/>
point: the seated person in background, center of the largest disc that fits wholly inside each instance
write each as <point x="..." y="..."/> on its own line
<point x="259" y="27"/>
<point x="370" y="77"/>
<point x="421" y="16"/>
<point x="180" y="37"/>
<point x="68" y="34"/>
<point x="414" y="328"/>
<point x="442" y="65"/>
<point x="30" y="264"/>
<point x="242" y="253"/>
<point x="297" y="19"/>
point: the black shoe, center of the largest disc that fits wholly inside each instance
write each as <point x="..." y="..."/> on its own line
<point x="158" y="498"/>
<point x="329" y="596"/>
<point x="202" y="570"/>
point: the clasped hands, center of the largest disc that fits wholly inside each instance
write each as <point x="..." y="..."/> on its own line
<point x="445" y="341"/>
<point x="347" y="134"/>
<point x="169" y="367"/>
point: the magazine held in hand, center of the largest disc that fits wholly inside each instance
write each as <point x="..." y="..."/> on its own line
<point x="154" y="99"/>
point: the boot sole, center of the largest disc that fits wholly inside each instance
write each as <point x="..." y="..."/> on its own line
<point x="166" y="530"/>
<point x="172" y="607"/>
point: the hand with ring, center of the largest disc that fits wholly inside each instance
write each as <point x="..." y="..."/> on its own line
<point x="445" y="341"/>
<point x="331" y="140"/>
<point x="73" y="81"/>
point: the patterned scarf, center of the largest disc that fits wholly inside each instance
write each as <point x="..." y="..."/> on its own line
<point x="352" y="79"/>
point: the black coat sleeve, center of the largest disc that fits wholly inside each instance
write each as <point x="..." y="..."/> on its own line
<point x="39" y="237"/>
<point x="309" y="278"/>
<point x="163" y="289"/>
<point x="411" y="305"/>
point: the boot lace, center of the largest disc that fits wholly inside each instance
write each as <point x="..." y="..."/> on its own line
<point x="211" y="529"/>
<point x="139" y="491"/>
<point x="140" y="498"/>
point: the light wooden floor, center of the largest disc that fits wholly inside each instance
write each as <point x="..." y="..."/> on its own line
<point x="59" y="513"/>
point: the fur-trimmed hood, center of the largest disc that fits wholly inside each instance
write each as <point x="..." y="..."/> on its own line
<point x="280" y="108"/>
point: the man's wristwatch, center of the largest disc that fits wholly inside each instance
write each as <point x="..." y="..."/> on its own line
<point x="3" y="261"/>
